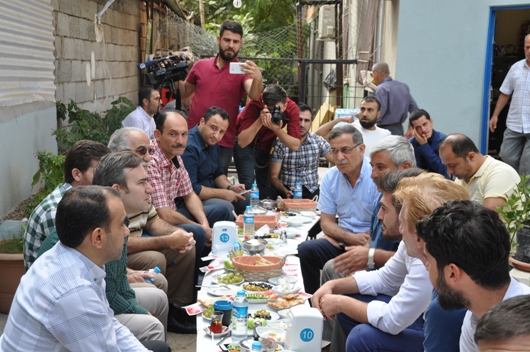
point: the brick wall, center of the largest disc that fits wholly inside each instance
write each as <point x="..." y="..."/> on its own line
<point x="115" y="58"/>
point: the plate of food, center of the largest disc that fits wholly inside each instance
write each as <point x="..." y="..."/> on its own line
<point x="256" y="286"/>
<point x="286" y="289"/>
<point x="276" y="335"/>
<point x="287" y="301"/>
<point x="231" y="347"/>
<point x="208" y="312"/>
<point x="230" y="278"/>
<point x="291" y="233"/>
<point x="261" y="297"/>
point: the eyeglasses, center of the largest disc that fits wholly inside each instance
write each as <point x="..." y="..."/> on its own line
<point x="345" y="150"/>
<point x="141" y="150"/>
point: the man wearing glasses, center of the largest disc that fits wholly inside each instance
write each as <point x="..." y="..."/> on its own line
<point x="347" y="191"/>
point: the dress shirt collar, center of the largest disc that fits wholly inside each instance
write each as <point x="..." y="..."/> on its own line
<point x="163" y="161"/>
<point x="197" y="134"/>
<point x="96" y="272"/>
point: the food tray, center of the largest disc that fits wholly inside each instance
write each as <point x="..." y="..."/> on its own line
<point x="259" y="221"/>
<point x="299" y="205"/>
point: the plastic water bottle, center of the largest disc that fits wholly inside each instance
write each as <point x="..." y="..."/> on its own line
<point x="156" y="270"/>
<point x="248" y="223"/>
<point x="254" y="196"/>
<point x="239" y="317"/>
<point x="256" y="346"/>
<point x="297" y="192"/>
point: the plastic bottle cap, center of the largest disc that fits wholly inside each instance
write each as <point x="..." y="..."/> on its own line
<point x="256" y="345"/>
<point x="157" y="270"/>
<point x="249" y="207"/>
<point x="241" y="293"/>
<point x="254" y="185"/>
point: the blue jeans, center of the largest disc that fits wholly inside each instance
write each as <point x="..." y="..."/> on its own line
<point x="249" y="161"/>
<point x="239" y="207"/>
<point x="366" y="338"/>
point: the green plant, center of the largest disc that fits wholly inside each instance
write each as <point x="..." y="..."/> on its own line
<point x="83" y="125"/>
<point x="15" y="243"/>
<point x="516" y="211"/>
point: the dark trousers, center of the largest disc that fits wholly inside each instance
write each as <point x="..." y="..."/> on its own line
<point x="366" y="338"/>
<point x="313" y="255"/>
<point x="252" y="161"/>
<point x="395" y="129"/>
<point x="226" y="158"/>
<point x="156" y="346"/>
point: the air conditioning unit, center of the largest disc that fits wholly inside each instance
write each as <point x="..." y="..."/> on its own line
<point x="326" y="22"/>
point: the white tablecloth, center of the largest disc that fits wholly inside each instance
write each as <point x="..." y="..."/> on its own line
<point x="204" y="342"/>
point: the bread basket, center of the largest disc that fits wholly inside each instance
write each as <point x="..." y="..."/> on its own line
<point x="245" y="265"/>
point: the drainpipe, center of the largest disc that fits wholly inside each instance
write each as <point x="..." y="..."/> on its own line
<point x="379" y="31"/>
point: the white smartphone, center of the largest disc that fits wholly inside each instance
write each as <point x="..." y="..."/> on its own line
<point x="235" y="68"/>
<point x="244" y="192"/>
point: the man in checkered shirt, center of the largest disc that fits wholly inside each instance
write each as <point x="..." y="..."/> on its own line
<point x="79" y="166"/>
<point x="288" y="167"/>
<point x="173" y="196"/>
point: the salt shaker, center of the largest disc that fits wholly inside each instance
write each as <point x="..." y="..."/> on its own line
<point x="283" y="236"/>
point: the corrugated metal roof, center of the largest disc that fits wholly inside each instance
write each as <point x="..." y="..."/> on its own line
<point x="26" y="52"/>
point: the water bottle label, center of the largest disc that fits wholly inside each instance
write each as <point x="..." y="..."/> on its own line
<point x="298" y="193"/>
<point x="248" y="219"/>
<point x="254" y="195"/>
<point x="240" y="312"/>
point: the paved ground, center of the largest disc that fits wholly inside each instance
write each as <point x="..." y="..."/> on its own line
<point x="184" y="343"/>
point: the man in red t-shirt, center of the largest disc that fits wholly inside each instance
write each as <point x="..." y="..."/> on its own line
<point x="214" y="85"/>
<point x="256" y="133"/>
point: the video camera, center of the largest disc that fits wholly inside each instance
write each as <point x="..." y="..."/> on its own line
<point x="165" y="70"/>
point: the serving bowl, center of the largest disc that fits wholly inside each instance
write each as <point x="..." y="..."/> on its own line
<point x="286" y="289"/>
<point x="255" y="246"/>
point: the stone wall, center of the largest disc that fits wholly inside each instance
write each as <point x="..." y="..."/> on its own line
<point x="110" y="63"/>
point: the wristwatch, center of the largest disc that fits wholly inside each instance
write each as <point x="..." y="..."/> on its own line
<point x="371" y="265"/>
<point x="341" y="245"/>
<point x="229" y="185"/>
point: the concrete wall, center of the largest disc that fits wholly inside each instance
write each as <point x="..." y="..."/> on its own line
<point x="441" y="55"/>
<point x="110" y="63"/>
<point x="27" y="132"/>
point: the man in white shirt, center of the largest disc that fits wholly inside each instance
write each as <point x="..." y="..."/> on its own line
<point x="466" y="250"/>
<point x="371" y="318"/>
<point x="366" y="123"/>
<point x="142" y="117"/>
<point x="60" y="304"/>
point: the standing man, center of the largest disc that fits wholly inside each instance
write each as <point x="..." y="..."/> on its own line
<point x="366" y="123"/>
<point x="173" y="196"/>
<point x="466" y="248"/>
<point x="142" y="117"/>
<point x="79" y="165"/>
<point x="203" y="163"/>
<point x="425" y="142"/>
<point x="257" y="131"/>
<point x="515" y="148"/>
<point x="396" y="101"/>
<point x="212" y="84"/>
<point x="488" y="181"/>
<point x="60" y="304"/>
<point x="288" y="167"/>
<point x="347" y="191"/>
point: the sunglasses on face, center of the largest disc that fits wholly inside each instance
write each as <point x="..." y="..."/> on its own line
<point x="141" y="150"/>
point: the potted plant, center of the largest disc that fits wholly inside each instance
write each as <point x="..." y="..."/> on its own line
<point x="516" y="215"/>
<point x="11" y="266"/>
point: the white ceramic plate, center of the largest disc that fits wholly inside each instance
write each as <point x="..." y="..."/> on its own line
<point x="283" y="313"/>
<point x="287" y="279"/>
<point x="215" y="280"/>
<point x="225" y="331"/>
<point x="308" y="214"/>
<point x="278" y="324"/>
<point x="274" y="316"/>
<point x="286" y="289"/>
<point x="205" y="317"/>
<point x="255" y="300"/>
<point x="221" y="291"/>
<point x="256" y="282"/>
<point x="291" y="233"/>
<point x="277" y="334"/>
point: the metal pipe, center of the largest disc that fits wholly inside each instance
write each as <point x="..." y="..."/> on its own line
<point x="379" y="31"/>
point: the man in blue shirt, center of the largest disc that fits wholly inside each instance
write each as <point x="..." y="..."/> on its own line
<point x="425" y="142"/>
<point x="347" y="191"/>
<point x="203" y="163"/>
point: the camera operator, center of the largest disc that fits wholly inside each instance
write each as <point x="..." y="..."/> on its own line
<point x="258" y="125"/>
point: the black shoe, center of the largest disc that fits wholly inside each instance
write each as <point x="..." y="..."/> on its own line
<point x="179" y="322"/>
